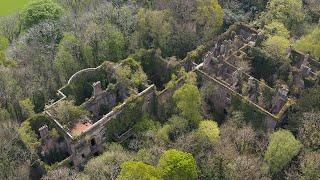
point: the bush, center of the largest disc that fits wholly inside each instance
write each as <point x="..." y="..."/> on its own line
<point x="209" y="130"/>
<point x="29" y="130"/>
<point x="282" y="148"/>
<point x="139" y="171"/>
<point x="178" y="165"/>
<point x="38" y="11"/>
<point x="107" y="165"/>
<point x="310" y="43"/>
<point x="28" y="136"/>
<point x="68" y="114"/>
<point x="188" y="101"/>
<point x="277" y="46"/>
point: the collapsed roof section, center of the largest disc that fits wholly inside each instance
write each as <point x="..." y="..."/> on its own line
<point x="92" y="93"/>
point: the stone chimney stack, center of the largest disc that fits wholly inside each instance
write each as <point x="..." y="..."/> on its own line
<point x="97" y="88"/>
<point x="44" y="132"/>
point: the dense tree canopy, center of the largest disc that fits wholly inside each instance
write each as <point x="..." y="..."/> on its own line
<point x="168" y="133"/>
<point x="310" y="43"/>
<point x="289" y="12"/>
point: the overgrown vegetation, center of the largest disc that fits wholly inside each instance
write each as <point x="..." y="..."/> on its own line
<point x="193" y="132"/>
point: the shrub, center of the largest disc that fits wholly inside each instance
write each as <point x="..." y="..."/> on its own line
<point x="282" y="148"/>
<point x="178" y="165"/>
<point x="40" y="10"/>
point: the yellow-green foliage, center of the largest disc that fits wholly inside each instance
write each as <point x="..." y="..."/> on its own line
<point x="276" y="28"/>
<point x="276" y="46"/>
<point x="209" y="129"/>
<point x="39" y="10"/>
<point x="196" y="54"/>
<point x="289" y="12"/>
<point x="29" y="128"/>
<point x="130" y="73"/>
<point x="282" y="148"/>
<point x="68" y="114"/>
<point x="27" y="108"/>
<point x="209" y="15"/>
<point x="138" y="170"/>
<point x="178" y="165"/>
<point x="3" y="46"/>
<point x="28" y="136"/>
<point x="4" y="43"/>
<point x="9" y="6"/>
<point x="188" y="101"/>
<point x="310" y="43"/>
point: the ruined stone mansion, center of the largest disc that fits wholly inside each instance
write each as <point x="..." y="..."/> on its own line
<point x="216" y="62"/>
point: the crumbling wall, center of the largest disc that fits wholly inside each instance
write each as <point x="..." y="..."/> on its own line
<point x="92" y="140"/>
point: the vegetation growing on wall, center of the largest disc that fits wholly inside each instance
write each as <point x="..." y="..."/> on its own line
<point x="130" y="115"/>
<point x="148" y="42"/>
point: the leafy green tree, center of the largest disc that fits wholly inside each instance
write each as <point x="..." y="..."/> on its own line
<point x="276" y="46"/>
<point x="178" y="165"/>
<point x="310" y="165"/>
<point x="39" y="101"/>
<point x="130" y="73"/>
<point x="27" y="108"/>
<point x="178" y="126"/>
<point x="3" y="46"/>
<point x="139" y="171"/>
<point x="3" y="43"/>
<point x="276" y="28"/>
<point x="68" y="114"/>
<point x="310" y="43"/>
<point x="209" y="130"/>
<point x="308" y="102"/>
<point x="153" y="30"/>
<point x="107" y="165"/>
<point x="66" y="60"/>
<point x="309" y="133"/>
<point x="15" y="159"/>
<point x="209" y="17"/>
<point x="145" y="124"/>
<point x="289" y="12"/>
<point x="114" y="44"/>
<point x="40" y="10"/>
<point x="188" y="101"/>
<point x="282" y="148"/>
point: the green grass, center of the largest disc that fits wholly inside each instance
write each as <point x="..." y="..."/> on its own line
<point x="8" y="7"/>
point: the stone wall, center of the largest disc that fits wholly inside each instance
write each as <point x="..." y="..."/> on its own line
<point x="91" y="141"/>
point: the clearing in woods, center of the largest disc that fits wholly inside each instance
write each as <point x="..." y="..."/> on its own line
<point x="8" y="7"/>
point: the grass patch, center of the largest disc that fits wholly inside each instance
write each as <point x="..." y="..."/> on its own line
<point x="8" y="7"/>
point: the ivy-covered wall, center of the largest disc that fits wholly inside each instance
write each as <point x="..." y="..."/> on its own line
<point x="131" y="113"/>
<point x="81" y="87"/>
<point x="29" y="130"/>
<point x="251" y="115"/>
